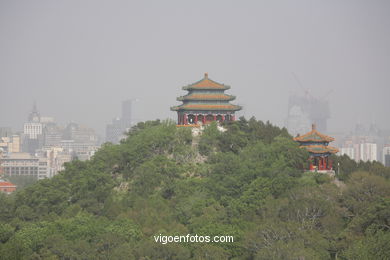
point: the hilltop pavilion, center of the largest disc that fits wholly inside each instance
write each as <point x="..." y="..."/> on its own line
<point x="205" y="102"/>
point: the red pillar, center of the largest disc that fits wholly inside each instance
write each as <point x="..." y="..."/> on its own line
<point x="204" y="119"/>
<point x="233" y="118"/>
<point x="325" y="164"/>
<point x="196" y="119"/>
<point x="185" y="119"/>
<point x="319" y="163"/>
<point x="223" y="118"/>
<point x="215" y="117"/>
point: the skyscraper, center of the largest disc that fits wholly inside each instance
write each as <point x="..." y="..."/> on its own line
<point x="119" y="126"/>
<point x="386" y="155"/>
<point x="114" y="131"/>
<point x="306" y="110"/>
<point x="5" y="131"/>
<point x="368" y="152"/>
<point x="32" y="132"/>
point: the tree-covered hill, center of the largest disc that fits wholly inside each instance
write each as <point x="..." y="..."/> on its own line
<point x="246" y="182"/>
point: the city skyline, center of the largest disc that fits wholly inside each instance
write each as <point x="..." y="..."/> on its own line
<point x="79" y="66"/>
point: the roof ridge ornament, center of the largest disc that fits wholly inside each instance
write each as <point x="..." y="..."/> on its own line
<point x="313" y="127"/>
<point x="206" y="75"/>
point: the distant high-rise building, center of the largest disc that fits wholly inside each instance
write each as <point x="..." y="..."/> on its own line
<point x="5" y="131"/>
<point x="80" y="134"/>
<point x="32" y="132"/>
<point x="386" y="155"/>
<point x="116" y="131"/>
<point x="365" y="143"/>
<point x="298" y="121"/>
<point x="80" y="141"/>
<point x="34" y="115"/>
<point x="52" y="134"/>
<point x="350" y="151"/>
<point x="360" y="130"/>
<point x="368" y="152"/>
<point x="304" y="111"/>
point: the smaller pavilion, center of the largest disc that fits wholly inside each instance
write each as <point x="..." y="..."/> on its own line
<point x="317" y="145"/>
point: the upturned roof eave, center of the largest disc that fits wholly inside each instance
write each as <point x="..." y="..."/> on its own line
<point x="190" y="87"/>
<point x="205" y="108"/>
<point x="188" y="97"/>
<point x="307" y="137"/>
<point x="195" y="85"/>
<point x="322" y="149"/>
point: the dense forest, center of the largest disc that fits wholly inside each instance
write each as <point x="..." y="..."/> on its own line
<point x="246" y="181"/>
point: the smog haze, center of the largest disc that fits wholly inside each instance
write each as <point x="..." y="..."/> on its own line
<point x="80" y="59"/>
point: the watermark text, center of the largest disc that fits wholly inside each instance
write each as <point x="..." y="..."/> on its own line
<point x="164" y="239"/>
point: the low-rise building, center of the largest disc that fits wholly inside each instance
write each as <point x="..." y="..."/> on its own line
<point x="10" y="144"/>
<point x="386" y="155"/>
<point x="24" y="164"/>
<point x="7" y="187"/>
<point x="83" y="151"/>
<point x="56" y="158"/>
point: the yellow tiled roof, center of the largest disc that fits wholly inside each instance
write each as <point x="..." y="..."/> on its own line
<point x="206" y="97"/>
<point x="320" y="149"/>
<point x="206" y="107"/>
<point x="206" y="83"/>
<point x="313" y="136"/>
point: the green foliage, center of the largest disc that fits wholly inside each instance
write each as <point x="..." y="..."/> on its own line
<point x="363" y="190"/>
<point x="372" y="246"/>
<point x="209" y="140"/>
<point x="6" y="232"/>
<point x="284" y="240"/>
<point x="124" y="228"/>
<point x="246" y="181"/>
<point x="344" y="166"/>
<point x="7" y="208"/>
<point x="149" y="250"/>
<point x="210" y="252"/>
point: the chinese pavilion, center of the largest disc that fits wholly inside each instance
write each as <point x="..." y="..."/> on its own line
<point x="317" y="145"/>
<point x="205" y="102"/>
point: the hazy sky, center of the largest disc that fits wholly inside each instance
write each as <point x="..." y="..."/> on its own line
<point x="79" y="59"/>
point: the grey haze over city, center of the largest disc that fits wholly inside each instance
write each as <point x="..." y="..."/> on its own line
<point x="80" y="59"/>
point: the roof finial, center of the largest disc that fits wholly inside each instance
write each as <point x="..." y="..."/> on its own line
<point x="206" y="75"/>
<point x="313" y="127"/>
